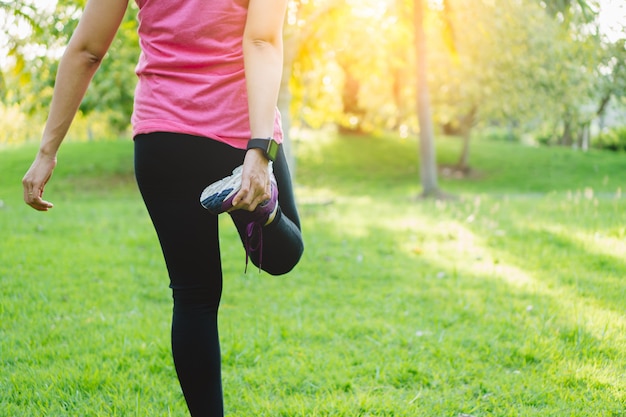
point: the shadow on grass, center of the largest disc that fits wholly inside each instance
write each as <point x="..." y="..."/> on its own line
<point x="568" y="263"/>
<point x="408" y="322"/>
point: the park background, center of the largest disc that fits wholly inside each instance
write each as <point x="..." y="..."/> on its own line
<point x="460" y="167"/>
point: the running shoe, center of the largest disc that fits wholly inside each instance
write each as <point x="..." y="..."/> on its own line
<point x="218" y="197"/>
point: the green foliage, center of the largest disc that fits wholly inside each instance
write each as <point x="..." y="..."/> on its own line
<point x="18" y="127"/>
<point x="113" y="87"/>
<point x="538" y="65"/>
<point x="507" y="302"/>
<point x="499" y="134"/>
<point x="611" y="139"/>
<point x="36" y="56"/>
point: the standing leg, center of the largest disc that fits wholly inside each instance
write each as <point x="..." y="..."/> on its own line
<point x="171" y="171"/>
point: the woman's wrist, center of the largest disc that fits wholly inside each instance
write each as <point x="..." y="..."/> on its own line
<point x="268" y="146"/>
<point x="257" y="154"/>
<point x="47" y="151"/>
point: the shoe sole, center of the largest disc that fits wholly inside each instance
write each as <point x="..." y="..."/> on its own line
<point x="214" y="196"/>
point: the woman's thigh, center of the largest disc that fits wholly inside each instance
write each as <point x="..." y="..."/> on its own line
<point x="172" y="170"/>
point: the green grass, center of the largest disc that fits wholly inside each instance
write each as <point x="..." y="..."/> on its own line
<point x="506" y="302"/>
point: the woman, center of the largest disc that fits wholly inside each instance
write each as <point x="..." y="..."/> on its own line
<point x="205" y="103"/>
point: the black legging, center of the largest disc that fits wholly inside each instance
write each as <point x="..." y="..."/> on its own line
<point x="172" y="170"/>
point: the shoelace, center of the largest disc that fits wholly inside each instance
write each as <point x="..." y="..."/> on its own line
<point x="250" y="229"/>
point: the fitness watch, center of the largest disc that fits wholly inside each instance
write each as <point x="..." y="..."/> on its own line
<point x="268" y="145"/>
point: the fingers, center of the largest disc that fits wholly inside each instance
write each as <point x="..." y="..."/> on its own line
<point x="252" y="193"/>
<point x="40" y="205"/>
<point x="33" y="193"/>
<point x="255" y="181"/>
<point x="33" y="199"/>
<point x="255" y="189"/>
<point x="35" y="180"/>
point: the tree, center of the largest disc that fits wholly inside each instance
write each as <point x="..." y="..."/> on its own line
<point x="301" y="23"/>
<point x="599" y="57"/>
<point x="523" y="66"/>
<point x="428" y="162"/>
<point x="18" y="17"/>
<point x="36" y="56"/>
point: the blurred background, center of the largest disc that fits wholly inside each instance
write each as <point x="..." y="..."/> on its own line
<point x="537" y="72"/>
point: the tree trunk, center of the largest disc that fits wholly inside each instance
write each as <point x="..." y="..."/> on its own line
<point x="428" y="163"/>
<point x="566" y="139"/>
<point x="603" y="104"/>
<point x="463" y="163"/>
<point x="350" y="102"/>
<point x="584" y="137"/>
<point x="466" y="124"/>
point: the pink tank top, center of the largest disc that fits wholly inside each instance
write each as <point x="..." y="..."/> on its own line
<point x="191" y="73"/>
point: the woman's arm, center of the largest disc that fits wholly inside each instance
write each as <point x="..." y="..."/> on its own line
<point x="263" y="60"/>
<point x="85" y="50"/>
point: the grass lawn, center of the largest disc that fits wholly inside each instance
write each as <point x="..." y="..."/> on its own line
<point x="509" y="301"/>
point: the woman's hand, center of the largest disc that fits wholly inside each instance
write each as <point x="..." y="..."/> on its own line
<point x="255" y="181"/>
<point x="35" y="181"/>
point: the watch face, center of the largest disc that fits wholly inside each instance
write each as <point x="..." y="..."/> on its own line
<point x="272" y="149"/>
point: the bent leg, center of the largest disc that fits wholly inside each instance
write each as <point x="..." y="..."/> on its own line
<point x="282" y="244"/>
